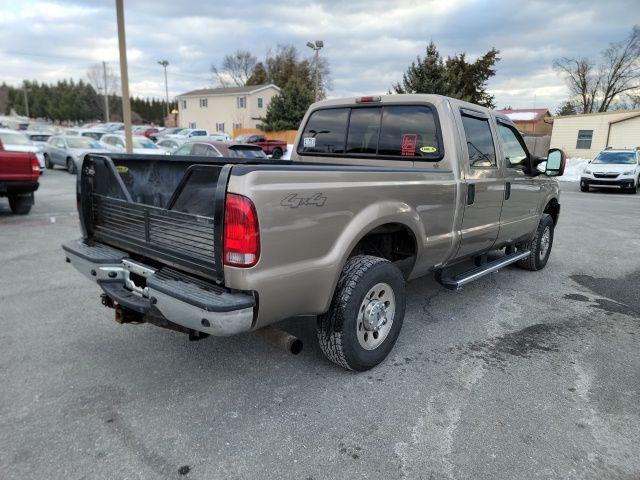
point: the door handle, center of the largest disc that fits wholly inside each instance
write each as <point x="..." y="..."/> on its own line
<point x="471" y="193"/>
<point x="507" y="190"/>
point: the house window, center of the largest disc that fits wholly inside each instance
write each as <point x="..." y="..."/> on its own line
<point x="242" y="102"/>
<point x="237" y="126"/>
<point x="192" y="124"/>
<point x="184" y="104"/>
<point x="259" y="102"/>
<point x="204" y="103"/>
<point x="584" y="139"/>
<point x="219" y="127"/>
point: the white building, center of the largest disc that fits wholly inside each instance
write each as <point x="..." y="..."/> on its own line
<point x="225" y="109"/>
<point x="588" y="134"/>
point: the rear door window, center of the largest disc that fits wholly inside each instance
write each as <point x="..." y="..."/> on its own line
<point x="184" y="150"/>
<point x="480" y="146"/>
<point x="325" y="131"/>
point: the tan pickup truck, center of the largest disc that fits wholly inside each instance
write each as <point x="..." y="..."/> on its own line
<point x="379" y="190"/>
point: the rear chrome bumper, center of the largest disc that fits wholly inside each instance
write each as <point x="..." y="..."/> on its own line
<point x="177" y="297"/>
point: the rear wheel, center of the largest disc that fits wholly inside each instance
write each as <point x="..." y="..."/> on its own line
<point x="366" y="314"/>
<point x="539" y="246"/>
<point x="71" y="166"/>
<point x="276" y="153"/>
<point x="21" y="204"/>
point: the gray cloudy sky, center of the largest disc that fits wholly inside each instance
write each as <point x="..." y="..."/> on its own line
<point x="368" y="43"/>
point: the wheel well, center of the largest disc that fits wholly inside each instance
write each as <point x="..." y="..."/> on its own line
<point x="392" y="241"/>
<point x="553" y="209"/>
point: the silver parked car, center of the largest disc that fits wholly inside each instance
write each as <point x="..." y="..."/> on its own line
<point x="169" y="144"/>
<point x="69" y="151"/>
<point x="114" y="142"/>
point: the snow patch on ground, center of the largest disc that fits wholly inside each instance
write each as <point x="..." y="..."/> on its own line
<point x="287" y="155"/>
<point x="574" y="168"/>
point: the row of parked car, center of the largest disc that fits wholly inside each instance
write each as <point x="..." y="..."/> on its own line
<point x="68" y="148"/>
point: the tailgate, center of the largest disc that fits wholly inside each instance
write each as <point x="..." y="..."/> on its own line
<point x="15" y="166"/>
<point x="168" y="209"/>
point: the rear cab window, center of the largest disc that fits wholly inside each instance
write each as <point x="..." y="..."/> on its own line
<point x="404" y="132"/>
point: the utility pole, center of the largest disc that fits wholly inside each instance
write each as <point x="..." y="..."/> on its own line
<point x="25" y="90"/>
<point x="106" y="92"/>
<point x="124" y="77"/>
<point x="316" y="47"/>
<point x="165" y="64"/>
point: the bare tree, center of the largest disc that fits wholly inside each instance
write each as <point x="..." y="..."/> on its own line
<point x="619" y="72"/>
<point x="236" y="68"/>
<point x="95" y="75"/>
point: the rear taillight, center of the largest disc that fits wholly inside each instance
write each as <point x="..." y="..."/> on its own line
<point x="241" y="234"/>
<point x="35" y="166"/>
<point x="369" y="99"/>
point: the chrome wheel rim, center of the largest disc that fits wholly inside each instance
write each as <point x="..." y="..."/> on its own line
<point x="375" y="316"/>
<point x="544" y="242"/>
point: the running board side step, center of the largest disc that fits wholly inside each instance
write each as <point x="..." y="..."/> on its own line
<point x="455" y="283"/>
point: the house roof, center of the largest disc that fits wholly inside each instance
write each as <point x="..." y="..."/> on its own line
<point x="526" y="115"/>
<point x="228" y="90"/>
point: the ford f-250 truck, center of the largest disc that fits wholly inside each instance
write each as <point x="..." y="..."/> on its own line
<point x="19" y="174"/>
<point x="379" y="190"/>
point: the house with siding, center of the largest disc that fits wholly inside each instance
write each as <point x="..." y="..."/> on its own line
<point x="221" y="110"/>
<point x="585" y="135"/>
<point x="536" y="121"/>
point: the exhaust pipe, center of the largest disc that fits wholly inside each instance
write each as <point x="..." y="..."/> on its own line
<point x="281" y="339"/>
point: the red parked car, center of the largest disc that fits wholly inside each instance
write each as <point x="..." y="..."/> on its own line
<point x="275" y="148"/>
<point x="19" y="173"/>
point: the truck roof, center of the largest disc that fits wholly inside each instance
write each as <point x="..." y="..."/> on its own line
<point x="406" y="98"/>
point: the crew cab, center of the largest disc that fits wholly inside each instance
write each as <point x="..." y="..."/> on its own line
<point x="274" y="148"/>
<point x="19" y="174"/>
<point x="379" y="190"/>
<point x="613" y="169"/>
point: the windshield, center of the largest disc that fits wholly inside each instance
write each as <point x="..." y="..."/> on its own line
<point x="10" y="138"/>
<point x="625" y="158"/>
<point x="244" y="152"/>
<point x="143" y="143"/>
<point x="81" y="142"/>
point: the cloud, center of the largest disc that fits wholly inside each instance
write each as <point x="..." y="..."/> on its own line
<point x="369" y="43"/>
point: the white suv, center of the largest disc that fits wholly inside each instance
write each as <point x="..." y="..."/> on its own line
<point x="613" y="169"/>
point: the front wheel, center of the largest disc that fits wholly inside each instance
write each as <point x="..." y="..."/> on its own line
<point x="584" y="188"/>
<point x="47" y="162"/>
<point x="539" y="246"/>
<point x="366" y="314"/>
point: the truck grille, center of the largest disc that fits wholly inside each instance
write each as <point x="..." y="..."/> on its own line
<point x="175" y="237"/>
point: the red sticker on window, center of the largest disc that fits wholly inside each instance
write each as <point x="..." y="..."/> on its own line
<point x="409" y="141"/>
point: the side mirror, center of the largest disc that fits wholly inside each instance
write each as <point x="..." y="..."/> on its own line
<point x="556" y="162"/>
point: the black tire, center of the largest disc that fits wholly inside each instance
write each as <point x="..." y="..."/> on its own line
<point x="276" y="153"/>
<point x="539" y="255"/>
<point x="584" y="188"/>
<point x="633" y="190"/>
<point x="71" y="166"/>
<point x="21" y="204"/>
<point x="338" y="330"/>
<point x="47" y="162"/>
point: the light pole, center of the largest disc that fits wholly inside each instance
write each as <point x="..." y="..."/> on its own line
<point x="316" y="47"/>
<point x="106" y="92"/>
<point x="165" y="64"/>
<point x="124" y="77"/>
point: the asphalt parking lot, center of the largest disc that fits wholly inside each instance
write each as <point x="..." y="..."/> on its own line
<point x="520" y="375"/>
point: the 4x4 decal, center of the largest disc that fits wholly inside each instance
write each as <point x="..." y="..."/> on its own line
<point x="295" y="201"/>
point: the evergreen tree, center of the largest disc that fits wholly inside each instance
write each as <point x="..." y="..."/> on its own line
<point x="453" y="77"/>
<point x="285" y="111"/>
<point x="567" y="108"/>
